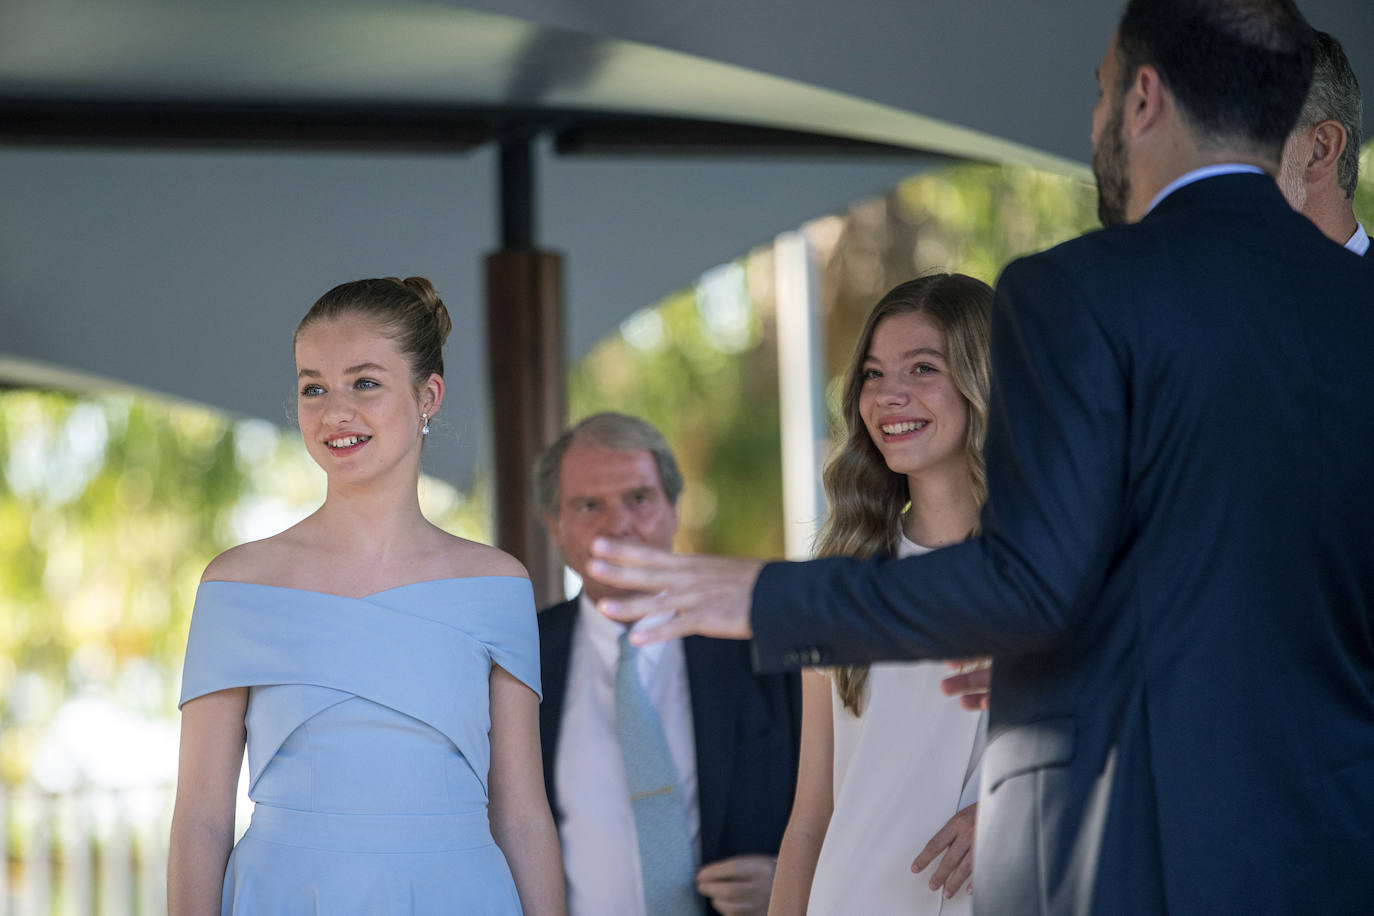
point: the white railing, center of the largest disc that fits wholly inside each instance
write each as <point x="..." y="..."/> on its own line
<point x="93" y="851"/>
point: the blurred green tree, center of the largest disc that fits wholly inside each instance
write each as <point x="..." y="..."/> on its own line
<point x="110" y="508"/>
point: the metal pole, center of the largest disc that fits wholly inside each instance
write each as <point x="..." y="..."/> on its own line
<point x="800" y="393"/>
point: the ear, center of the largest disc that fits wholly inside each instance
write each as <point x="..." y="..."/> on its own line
<point x="1146" y="101"/>
<point x="1328" y="142"/>
<point x="551" y="526"/>
<point x="431" y="395"/>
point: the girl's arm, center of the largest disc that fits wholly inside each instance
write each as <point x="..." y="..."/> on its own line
<point x="520" y="820"/>
<point x="814" y="801"/>
<point x="212" y="738"/>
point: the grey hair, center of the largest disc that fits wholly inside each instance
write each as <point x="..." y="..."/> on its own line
<point x="1335" y="96"/>
<point x="607" y="430"/>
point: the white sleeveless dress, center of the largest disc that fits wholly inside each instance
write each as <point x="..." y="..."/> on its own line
<point x="902" y="769"/>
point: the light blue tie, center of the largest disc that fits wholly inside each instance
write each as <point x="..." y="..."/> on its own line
<point x="665" y="850"/>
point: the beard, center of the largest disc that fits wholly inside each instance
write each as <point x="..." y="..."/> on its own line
<point x="1109" y="168"/>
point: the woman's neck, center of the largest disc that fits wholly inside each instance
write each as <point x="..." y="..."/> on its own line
<point x="374" y="517"/>
<point x="942" y="511"/>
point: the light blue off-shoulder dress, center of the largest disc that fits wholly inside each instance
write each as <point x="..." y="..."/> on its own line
<point x="368" y="747"/>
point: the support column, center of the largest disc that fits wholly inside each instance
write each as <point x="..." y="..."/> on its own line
<point x="525" y="371"/>
<point x="801" y="404"/>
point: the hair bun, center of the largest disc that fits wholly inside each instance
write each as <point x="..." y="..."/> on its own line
<point x="430" y="297"/>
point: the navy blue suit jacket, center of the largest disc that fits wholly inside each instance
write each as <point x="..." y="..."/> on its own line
<point x="747" y="729"/>
<point x="1175" y="575"/>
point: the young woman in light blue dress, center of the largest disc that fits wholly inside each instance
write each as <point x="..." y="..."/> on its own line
<point x="382" y="675"/>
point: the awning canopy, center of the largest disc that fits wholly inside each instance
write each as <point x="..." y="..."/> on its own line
<point x="181" y="179"/>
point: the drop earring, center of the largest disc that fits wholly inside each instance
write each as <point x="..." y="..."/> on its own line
<point x="424" y="430"/>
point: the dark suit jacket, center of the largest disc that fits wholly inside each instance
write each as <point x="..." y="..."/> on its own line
<point x="1175" y="576"/>
<point x="747" y="728"/>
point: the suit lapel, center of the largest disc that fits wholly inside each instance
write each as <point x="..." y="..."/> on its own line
<point x="711" y="681"/>
<point x="555" y="650"/>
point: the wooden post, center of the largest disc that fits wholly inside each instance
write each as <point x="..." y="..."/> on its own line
<point x="525" y="371"/>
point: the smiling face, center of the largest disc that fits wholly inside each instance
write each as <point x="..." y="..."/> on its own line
<point x="914" y="413"/>
<point x="608" y="492"/>
<point x="358" y="410"/>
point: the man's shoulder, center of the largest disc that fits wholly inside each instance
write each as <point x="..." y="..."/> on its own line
<point x="557" y="616"/>
<point x="1096" y="253"/>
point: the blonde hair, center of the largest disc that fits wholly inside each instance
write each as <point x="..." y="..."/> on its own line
<point x="867" y="497"/>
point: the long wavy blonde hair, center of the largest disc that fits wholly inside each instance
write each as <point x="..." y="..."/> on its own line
<point x="866" y="497"/>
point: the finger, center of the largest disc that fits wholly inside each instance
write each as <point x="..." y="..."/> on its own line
<point x="632" y="608"/>
<point x="959" y="850"/>
<point x="980" y="679"/>
<point x="974" y="701"/>
<point x="671" y="628"/>
<point x="745" y="896"/>
<point x="633" y="578"/>
<point x="722" y="870"/>
<point x="938" y="844"/>
<point x="629" y="553"/>
<point x="738" y="868"/>
<point x="730" y="890"/>
<point x="735" y="907"/>
<point x="961" y="873"/>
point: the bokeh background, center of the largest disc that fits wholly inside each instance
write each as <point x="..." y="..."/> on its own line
<point x="111" y="505"/>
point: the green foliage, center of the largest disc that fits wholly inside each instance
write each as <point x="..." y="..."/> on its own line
<point x="1364" y="190"/>
<point x="714" y="394"/>
<point x="110" y="508"/>
<point x="713" y="391"/>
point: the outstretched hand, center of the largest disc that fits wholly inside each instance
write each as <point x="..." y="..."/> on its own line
<point x="704" y="595"/>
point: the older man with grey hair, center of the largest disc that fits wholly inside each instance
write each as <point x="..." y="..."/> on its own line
<point x="1321" y="158"/>
<point x="671" y="769"/>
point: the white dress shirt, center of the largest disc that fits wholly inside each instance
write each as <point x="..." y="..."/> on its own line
<point x="1207" y="171"/>
<point x="1359" y="242"/>
<point x="596" y="826"/>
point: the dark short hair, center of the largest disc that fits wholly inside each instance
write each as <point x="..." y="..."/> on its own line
<point x="1238" y="69"/>
<point x="1335" y="96"/>
<point x="608" y="430"/>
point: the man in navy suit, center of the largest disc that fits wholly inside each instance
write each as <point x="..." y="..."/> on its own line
<point x="1175" y="574"/>
<point x="1321" y="158"/>
<point x="733" y="735"/>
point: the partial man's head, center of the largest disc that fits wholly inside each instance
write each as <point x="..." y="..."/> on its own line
<point x="612" y="476"/>
<point x="1321" y="158"/>
<point x="1188" y="82"/>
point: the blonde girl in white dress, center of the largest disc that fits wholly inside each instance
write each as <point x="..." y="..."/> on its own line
<point x="889" y="766"/>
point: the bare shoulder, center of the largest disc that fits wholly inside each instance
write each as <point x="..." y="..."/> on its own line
<point x="255" y="561"/>
<point x="237" y="564"/>
<point x="470" y="558"/>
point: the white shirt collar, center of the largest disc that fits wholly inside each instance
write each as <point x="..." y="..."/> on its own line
<point x="604" y="634"/>
<point x="1359" y="242"/>
<point x="1207" y="171"/>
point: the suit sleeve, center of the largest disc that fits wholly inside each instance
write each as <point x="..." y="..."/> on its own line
<point x="1056" y="463"/>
